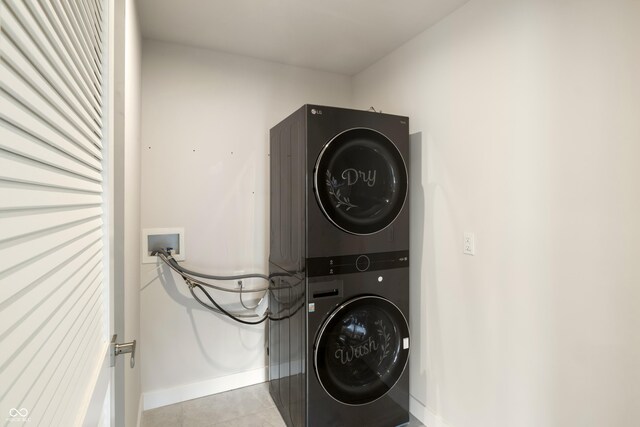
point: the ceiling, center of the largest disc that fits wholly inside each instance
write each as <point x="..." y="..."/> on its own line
<point x="342" y="36"/>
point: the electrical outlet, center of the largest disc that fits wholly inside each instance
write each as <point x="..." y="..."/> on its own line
<point x="469" y="245"/>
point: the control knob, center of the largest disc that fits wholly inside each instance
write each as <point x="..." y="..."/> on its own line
<point x="363" y="263"/>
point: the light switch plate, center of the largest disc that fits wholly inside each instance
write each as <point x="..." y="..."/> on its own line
<point x="469" y="244"/>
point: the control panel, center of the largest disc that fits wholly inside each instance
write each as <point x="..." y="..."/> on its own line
<point x="345" y="264"/>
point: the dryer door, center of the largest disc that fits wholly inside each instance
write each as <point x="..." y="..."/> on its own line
<point x="360" y="181"/>
<point x="362" y="350"/>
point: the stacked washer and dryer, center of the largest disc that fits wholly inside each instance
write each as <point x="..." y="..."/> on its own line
<point x="339" y="257"/>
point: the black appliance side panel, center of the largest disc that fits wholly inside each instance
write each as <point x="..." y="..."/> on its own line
<point x="288" y="345"/>
<point x="287" y="337"/>
<point x="287" y="192"/>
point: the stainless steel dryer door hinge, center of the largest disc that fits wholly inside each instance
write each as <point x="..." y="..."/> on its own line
<point x="127" y="347"/>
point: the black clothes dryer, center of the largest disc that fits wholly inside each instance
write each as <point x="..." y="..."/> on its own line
<point x="339" y="257"/>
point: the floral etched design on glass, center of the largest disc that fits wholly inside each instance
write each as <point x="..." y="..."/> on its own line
<point x="336" y="192"/>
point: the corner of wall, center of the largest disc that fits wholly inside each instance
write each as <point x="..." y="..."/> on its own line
<point x="425" y="415"/>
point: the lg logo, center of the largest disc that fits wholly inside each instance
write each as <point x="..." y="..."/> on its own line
<point x="314" y="111"/>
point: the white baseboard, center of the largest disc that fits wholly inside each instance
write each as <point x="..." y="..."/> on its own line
<point x="155" y="399"/>
<point x="424" y="414"/>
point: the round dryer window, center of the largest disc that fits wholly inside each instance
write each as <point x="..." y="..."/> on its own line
<point x="362" y="350"/>
<point x="361" y="181"/>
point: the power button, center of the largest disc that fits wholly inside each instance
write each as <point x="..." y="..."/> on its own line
<point x="363" y="263"/>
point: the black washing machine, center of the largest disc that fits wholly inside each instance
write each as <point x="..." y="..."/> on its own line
<point x="339" y="257"/>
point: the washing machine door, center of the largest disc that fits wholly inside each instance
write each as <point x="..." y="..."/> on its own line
<point x="360" y="181"/>
<point x="361" y="350"/>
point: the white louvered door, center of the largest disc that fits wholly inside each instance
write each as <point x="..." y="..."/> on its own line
<point x="54" y="237"/>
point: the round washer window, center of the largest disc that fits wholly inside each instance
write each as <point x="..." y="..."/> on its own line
<point x="362" y="350"/>
<point x="361" y="181"/>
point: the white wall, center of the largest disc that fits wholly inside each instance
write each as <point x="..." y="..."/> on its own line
<point x="529" y="113"/>
<point x="205" y="130"/>
<point x="132" y="87"/>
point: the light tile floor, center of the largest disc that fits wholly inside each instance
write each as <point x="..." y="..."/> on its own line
<point x="245" y="407"/>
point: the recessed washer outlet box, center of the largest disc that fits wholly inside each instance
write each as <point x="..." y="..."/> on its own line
<point x="154" y="239"/>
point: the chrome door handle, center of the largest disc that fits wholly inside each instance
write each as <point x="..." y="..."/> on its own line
<point x="127" y="347"/>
